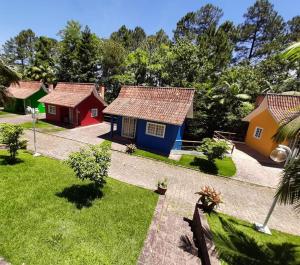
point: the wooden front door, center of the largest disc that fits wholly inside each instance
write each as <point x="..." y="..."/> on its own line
<point x="128" y="127"/>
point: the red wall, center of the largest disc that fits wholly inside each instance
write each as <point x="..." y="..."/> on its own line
<point x="51" y="117"/>
<point x="85" y="107"/>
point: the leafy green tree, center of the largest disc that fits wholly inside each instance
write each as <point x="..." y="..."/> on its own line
<point x="68" y="52"/>
<point x="19" y="50"/>
<point x="293" y="27"/>
<point x="138" y="38"/>
<point x="155" y="41"/>
<point x="196" y="23"/>
<point x="88" y="56"/>
<point x="91" y="163"/>
<point x="130" y="39"/>
<point x="7" y="76"/>
<point x="262" y="32"/>
<point x="136" y="63"/>
<point x="112" y="68"/>
<point x="157" y="69"/>
<point x="10" y="136"/>
<point x="44" y="63"/>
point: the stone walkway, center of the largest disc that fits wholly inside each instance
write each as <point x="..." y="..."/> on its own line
<point x="241" y="199"/>
<point x="169" y="240"/>
<point x="249" y="169"/>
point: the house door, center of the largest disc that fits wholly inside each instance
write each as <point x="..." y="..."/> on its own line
<point x="128" y="127"/>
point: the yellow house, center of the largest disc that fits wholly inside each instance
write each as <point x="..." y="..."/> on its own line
<point x="264" y="120"/>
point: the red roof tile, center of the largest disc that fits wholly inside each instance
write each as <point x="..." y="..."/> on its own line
<point x="23" y="89"/>
<point x="283" y="107"/>
<point x="163" y="104"/>
<point x="70" y="94"/>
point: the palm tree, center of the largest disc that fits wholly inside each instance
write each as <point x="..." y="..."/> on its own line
<point x="7" y="76"/>
<point x="292" y="52"/>
<point x="288" y="191"/>
<point x="291" y="128"/>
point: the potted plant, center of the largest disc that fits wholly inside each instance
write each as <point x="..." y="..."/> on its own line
<point x="130" y="148"/>
<point x="162" y="186"/>
<point x="209" y="198"/>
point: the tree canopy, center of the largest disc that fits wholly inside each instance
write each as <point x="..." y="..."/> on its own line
<point x="227" y="64"/>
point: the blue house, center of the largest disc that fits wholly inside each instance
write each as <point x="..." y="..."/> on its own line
<point x="152" y="117"/>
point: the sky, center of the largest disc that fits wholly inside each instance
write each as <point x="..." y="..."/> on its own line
<point x="105" y="16"/>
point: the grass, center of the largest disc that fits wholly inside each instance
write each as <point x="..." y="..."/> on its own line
<point x="5" y="113"/>
<point x="50" y="217"/>
<point x="42" y="126"/>
<point x="239" y="244"/>
<point x="223" y="167"/>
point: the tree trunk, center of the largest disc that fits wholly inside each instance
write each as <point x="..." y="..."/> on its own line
<point x="253" y="42"/>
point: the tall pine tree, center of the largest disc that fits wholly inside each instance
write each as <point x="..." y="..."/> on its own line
<point x="262" y="32"/>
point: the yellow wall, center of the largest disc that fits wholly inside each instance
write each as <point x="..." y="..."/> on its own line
<point x="265" y="144"/>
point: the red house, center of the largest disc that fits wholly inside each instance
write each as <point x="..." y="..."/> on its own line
<point x="74" y="104"/>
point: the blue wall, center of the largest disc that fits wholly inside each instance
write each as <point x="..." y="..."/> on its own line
<point x="160" y="145"/>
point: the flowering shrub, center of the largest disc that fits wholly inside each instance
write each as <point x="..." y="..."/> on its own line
<point x="209" y="198"/>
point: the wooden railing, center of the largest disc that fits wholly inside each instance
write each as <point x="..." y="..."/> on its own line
<point x="226" y="136"/>
<point x="189" y="145"/>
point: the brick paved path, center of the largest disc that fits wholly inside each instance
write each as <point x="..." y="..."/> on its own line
<point x="169" y="240"/>
<point x="243" y="200"/>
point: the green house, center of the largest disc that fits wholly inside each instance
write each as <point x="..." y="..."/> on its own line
<point x="25" y="94"/>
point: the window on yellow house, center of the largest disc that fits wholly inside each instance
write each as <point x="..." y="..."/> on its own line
<point x="258" y="132"/>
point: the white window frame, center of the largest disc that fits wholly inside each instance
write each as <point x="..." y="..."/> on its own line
<point x="92" y="112"/>
<point x="52" y="109"/>
<point x="157" y="125"/>
<point x="261" y="132"/>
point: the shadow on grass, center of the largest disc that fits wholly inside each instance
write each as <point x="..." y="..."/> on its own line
<point x="81" y="195"/>
<point x="205" y="165"/>
<point x="6" y="160"/>
<point x="237" y="248"/>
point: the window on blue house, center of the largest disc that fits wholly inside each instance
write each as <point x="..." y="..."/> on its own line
<point x="155" y="129"/>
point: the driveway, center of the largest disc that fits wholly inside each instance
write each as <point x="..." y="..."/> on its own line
<point x="93" y="134"/>
<point x="241" y="199"/>
<point x="253" y="168"/>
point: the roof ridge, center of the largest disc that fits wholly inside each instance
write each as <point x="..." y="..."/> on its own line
<point x="158" y="87"/>
<point x="274" y="94"/>
<point x="76" y="83"/>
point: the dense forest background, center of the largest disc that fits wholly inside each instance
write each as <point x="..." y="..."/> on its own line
<point x="228" y="64"/>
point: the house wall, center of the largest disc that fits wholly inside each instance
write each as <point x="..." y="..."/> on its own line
<point x="157" y="144"/>
<point x="84" y="108"/>
<point x="32" y="101"/>
<point x="265" y="144"/>
<point x="53" y="117"/>
<point x="14" y="105"/>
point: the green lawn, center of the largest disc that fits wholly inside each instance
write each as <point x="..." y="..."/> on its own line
<point x="50" y="217"/>
<point x="4" y="113"/>
<point x="239" y="244"/>
<point x="223" y="167"/>
<point x="42" y="126"/>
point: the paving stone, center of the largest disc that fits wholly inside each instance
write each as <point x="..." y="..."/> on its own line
<point x="241" y="199"/>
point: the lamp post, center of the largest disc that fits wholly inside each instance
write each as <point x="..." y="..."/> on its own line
<point x="280" y="154"/>
<point x="34" y="112"/>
